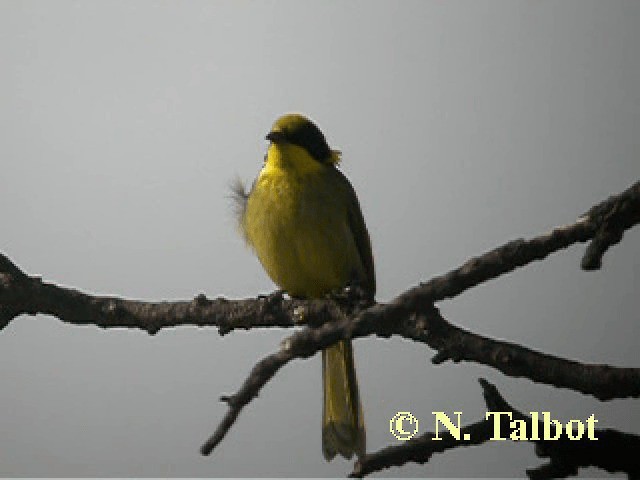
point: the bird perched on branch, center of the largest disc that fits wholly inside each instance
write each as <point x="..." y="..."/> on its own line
<point x="303" y="220"/>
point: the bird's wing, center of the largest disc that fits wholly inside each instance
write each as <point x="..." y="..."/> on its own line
<point x="359" y="231"/>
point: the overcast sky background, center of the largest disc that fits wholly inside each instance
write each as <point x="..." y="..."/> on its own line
<point x="462" y="124"/>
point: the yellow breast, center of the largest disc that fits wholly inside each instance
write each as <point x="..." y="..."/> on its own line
<point x="296" y="221"/>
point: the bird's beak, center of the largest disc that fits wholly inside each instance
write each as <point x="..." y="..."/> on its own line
<point x="275" y="136"/>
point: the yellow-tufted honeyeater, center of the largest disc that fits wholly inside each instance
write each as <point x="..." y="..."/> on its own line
<point x="303" y="220"/>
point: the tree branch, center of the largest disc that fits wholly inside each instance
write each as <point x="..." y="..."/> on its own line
<point x="607" y="219"/>
<point x="613" y="451"/>
<point x="411" y="315"/>
<point x="23" y="294"/>
<point x="426" y="325"/>
<point x="20" y="293"/>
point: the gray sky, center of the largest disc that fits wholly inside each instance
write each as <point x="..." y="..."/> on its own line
<point x="462" y="125"/>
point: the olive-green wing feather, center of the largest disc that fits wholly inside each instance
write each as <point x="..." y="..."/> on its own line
<point x="360" y="233"/>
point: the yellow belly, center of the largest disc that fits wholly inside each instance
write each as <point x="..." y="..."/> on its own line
<point x="300" y="232"/>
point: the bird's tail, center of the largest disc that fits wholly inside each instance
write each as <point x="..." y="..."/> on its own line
<point x="343" y="429"/>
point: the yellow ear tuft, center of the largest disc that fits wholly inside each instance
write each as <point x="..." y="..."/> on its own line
<point x="335" y="157"/>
